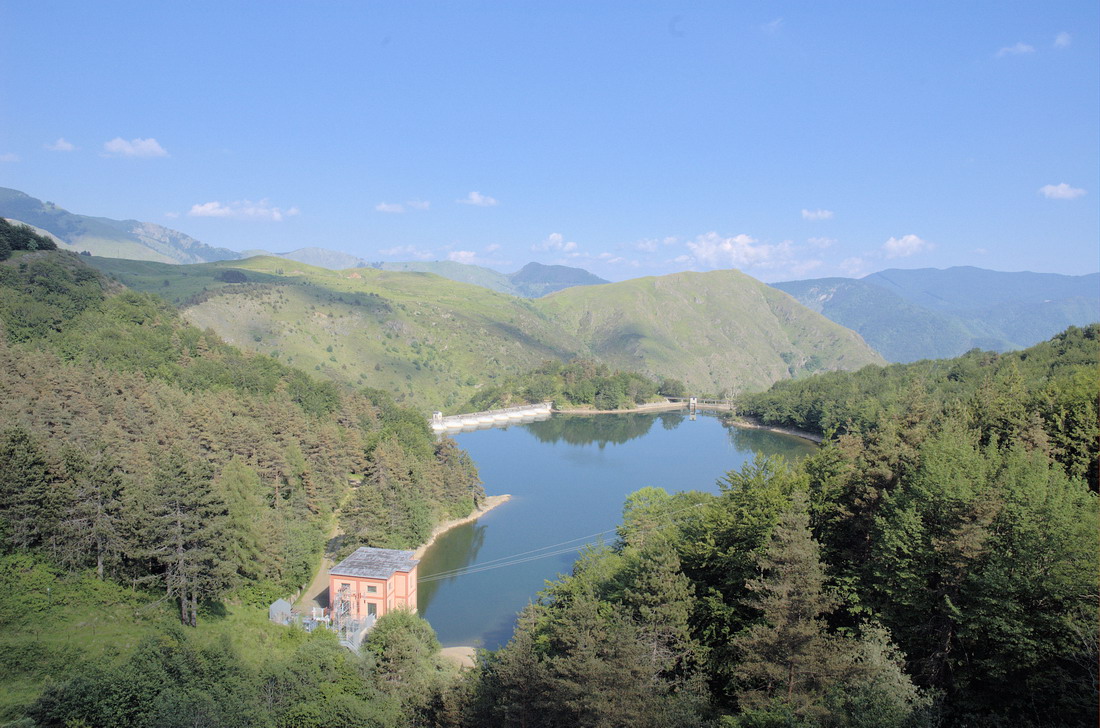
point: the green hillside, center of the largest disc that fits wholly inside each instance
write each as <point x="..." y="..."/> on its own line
<point x="425" y="339"/>
<point x="150" y="473"/>
<point x="721" y="331"/>
<point x="436" y="343"/>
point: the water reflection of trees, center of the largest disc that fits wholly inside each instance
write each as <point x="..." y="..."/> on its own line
<point x="770" y="443"/>
<point x="601" y="429"/>
<point x="455" y="549"/>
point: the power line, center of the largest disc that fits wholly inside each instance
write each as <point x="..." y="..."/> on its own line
<point x="532" y="555"/>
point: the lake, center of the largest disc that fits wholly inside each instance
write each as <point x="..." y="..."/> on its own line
<point x="569" y="477"/>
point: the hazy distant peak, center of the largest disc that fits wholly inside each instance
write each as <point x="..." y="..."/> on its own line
<point x="131" y="239"/>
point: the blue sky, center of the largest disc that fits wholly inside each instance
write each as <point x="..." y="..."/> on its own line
<point x="789" y="140"/>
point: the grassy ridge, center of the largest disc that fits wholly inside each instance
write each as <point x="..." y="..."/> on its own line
<point x="717" y="331"/>
<point x="423" y="338"/>
<point x="435" y="342"/>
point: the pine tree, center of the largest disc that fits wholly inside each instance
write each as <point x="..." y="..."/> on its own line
<point x="188" y="538"/>
<point x="25" y="484"/>
<point x="660" y="599"/>
<point x="92" y="522"/>
<point x="788" y="662"/>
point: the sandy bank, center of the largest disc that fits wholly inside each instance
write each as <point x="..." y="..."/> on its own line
<point x="753" y="424"/>
<point x="461" y="656"/>
<point x="487" y="505"/>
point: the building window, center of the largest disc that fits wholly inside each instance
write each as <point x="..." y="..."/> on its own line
<point x="372" y="589"/>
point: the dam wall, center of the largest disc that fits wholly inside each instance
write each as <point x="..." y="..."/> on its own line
<point x="490" y="418"/>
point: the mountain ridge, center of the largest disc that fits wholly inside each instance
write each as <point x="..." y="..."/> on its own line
<point x="133" y="239"/>
<point x="928" y="313"/>
<point x="437" y="342"/>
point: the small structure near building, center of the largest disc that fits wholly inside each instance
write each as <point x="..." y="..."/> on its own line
<point x="279" y="611"/>
<point x="369" y="584"/>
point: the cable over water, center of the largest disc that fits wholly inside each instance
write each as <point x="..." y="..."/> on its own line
<point x="534" y="554"/>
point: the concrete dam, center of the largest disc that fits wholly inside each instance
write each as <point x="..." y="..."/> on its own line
<point x="491" y="418"/>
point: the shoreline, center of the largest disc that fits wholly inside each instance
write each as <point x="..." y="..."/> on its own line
<point x="754" y="424"/>
<point x="490" y="502"/>
<point x="736" y="421"/>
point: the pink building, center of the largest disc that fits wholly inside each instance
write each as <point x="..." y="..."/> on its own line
<point x="370" y="583"/>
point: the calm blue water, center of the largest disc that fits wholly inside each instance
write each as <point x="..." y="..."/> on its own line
<point x="568" y="477"/>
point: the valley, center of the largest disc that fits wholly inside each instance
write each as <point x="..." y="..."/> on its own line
<point x="556" y="365"/>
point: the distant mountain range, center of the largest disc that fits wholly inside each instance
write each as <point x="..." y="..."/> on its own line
<point x="130" y="239"/>
<point x="907" y="315"/>
<point x="135" y="240"/>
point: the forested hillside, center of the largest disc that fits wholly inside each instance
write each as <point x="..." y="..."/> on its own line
<point x="1045" y="396"/>
<point x="933" y="564"/>
<point x="580" y="383"/>
<point x="152" y="455"/>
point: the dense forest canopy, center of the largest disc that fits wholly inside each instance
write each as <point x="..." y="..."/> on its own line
<point x="21" y="237"/>
<point x="1045" y="396"/>
<point x="934" y="563"/>
<point x="156" y="456"/>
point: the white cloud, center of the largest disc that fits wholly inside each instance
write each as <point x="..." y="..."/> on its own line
<point x="555" y="241"/>
<point x="119" y="147"/>
<point x="1063" y="40"/>
<point x="773" y="26"/>
<point x="817" y="215"/>
<point x="172" y="215"/>
<point x="389" y="207"/>
<point x="462" y="256"/>
<point x="478" y="200"/>
<point x="905" y="246"/>
<point x="854" y="267"/>
<point x="418" y="204"/>
<point x="492" y="248"/>
<point x="821" y="243"/>
<point x="60" y="146"/>
<point x="243" y="210"/>
<point x="651" y="245"/>
<point x="739" y="251"/>
<point x="1060" y="192"/>
<point x="1019" y="49"/>
<point x="9" y="157"/>
<point x="801" y="269"/>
